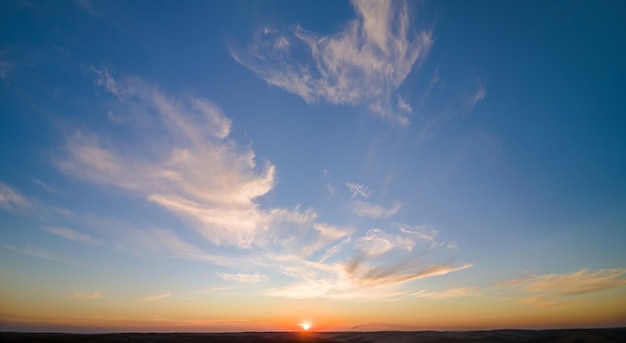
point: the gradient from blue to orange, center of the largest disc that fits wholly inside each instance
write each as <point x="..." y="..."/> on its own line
<point x="259" y="165"/>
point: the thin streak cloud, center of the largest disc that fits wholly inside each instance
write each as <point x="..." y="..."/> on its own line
<point x="369" y="209"/>
<point x="157" y="297"/>
<point x="35" y="252"/>
<point x="244" y="278"/>
<point x="214" y="186"/>
<point x="11" y="199"/>
<point x="559" y="289"/>
<point x="71" y="235"/>
<point x="449" y="293"/>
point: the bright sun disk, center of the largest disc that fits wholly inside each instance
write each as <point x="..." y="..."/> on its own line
<point x="305" y="326"/>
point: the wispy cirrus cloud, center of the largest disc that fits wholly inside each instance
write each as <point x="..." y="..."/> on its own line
<point x="44" y="186"/>
<point x="448" y="293"/>
<point x="72" y="235"/>
<point x="557" y="289"/>
<point x="244" y="278"/>
<point x="359" y="189"/>
<point x="95" y="295"/>
<point x="369" y="209"/>
<point x="367" y="274"/>
<point x="11" y="199"/>
<point x="377" y="242"/>
<point x="404" y="106"/>
<point x="195" y="171"/>
<point x="326" y="234"/>
<point x="179" y="247"/>
<point x="424" y="232"/>
<point x="432" y="125"/>
<point x="356" y="280"/>
<point x="479" y="94"/>
<point x="36" y="252"/>
<point x="157" y="297"/>
<point x="362" y="64"/>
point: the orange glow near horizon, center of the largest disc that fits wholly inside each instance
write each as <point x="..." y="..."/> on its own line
<point x="305" y="325"/>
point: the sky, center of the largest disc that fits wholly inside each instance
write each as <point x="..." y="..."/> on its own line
<point x="260" y="165"/>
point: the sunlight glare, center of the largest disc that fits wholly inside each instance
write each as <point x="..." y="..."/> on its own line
<point x="305" y="325"/>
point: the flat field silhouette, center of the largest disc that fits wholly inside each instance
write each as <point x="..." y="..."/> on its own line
<point x="564" y="335"/>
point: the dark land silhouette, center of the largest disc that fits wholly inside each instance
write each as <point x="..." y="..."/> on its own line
<point x="564" y="335"/>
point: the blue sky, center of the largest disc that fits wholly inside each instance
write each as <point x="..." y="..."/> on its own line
<point x="159" y="158"/>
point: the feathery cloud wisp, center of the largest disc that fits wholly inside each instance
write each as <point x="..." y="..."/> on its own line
<point x="244" y="278"/>
<point x="12" y="200"/>
<point x="195" y="171"/>
<point x="364" y="63"/>
<point x="157" y="297"/>
<point x="556" y="289"/>
<point x="377" y="242"/>
<point x="31" y="251"/>
<point x="368" y="209"/>
<point x="449" y="293"/>
<point x="359" y="189"/>
<point x="576" y="283"/>
<point x="71" y="235"/>
<point x="424" y="232"/>
<point x="479" y="95"/>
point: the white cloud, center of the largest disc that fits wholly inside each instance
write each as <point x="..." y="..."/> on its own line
<point x="104" y="79"/>
<point x="334" y="249"/>
<point x="449" y="293"/>
<point x="346" y="282"/>
<point x="424" y="232"/>
<point x="403" y="105"/>
<point x="476" y="97"/>
<point x="71" y="235"/>
<point x="364" y="63"/>
<point x="196" y="171"/>
<point x="557" y="289"/>
<point x="327" y="234"/>
<point x="359" y="189"/>
<point x="368" y="209"/>
<point x="157" y="297"/>
<point x="12" y="200"/>
<point x="244" y="278"/>
<point x="185" y="162"/>
<point x="576" y="283"/>
<point x="282" y="43"/>
<point x="377" y="242"/>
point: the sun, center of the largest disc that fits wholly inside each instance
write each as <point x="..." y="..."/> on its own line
<point x="305" y="325"/>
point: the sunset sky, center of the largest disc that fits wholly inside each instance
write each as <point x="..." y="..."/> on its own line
<point x="261" y="165"/>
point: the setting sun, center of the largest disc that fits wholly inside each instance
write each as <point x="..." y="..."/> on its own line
<point x="305" y="325"/>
